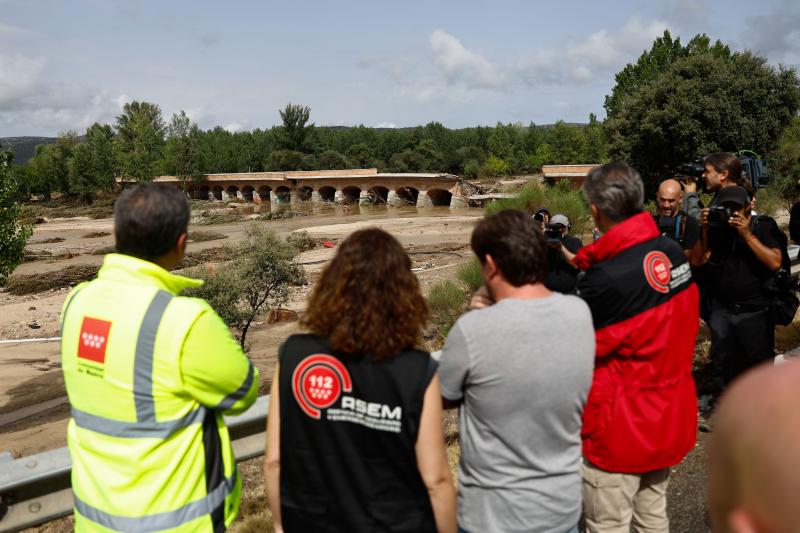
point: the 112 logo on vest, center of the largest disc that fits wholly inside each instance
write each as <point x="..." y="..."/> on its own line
<point x="317" y="383"/>
<point x="658" y="271"/>
<point x="93" y="340"/>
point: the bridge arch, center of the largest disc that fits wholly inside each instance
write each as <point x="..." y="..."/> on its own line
<point x="283" y="195"/>
<point x="350" y="194"/>
<point x="304" y="193"/>
<point x="379" y="194"/>
<point x="408" y="195"/>
<point x="264" y="193"/>
<point x="247" y="193"/>
<point x="440" y="197"/>
<point x="327" y="193"/>
<point x="216" y="191"/>
<point x="204" y="193"/>
<point x="232" y="191"/>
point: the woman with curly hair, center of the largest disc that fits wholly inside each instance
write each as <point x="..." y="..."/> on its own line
<point x="354" y="437"/>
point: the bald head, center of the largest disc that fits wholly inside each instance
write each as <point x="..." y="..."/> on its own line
<point x="754" y="458"/>
<point x="669" y="197"/>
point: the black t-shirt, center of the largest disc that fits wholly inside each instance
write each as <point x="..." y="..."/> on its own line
<point x="736" y="275"/>
<point x="562" y="276"/>
<point x="794" y="223"/>
<point x="349" y="428"/>
<point x="682" y="228"/>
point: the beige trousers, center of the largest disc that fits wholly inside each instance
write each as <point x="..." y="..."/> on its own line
<point x="611" y="501"/>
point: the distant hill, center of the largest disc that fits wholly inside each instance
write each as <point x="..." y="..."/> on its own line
<point x="23" y="147"/>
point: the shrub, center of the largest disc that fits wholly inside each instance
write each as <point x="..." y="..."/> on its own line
<point x="470" y="273"/>
<point x="301" y="241"/>
<point x="494" y="167"/>
<point x="258" y="278"/>
<point x="205" y="236"/>
<point x="446" y="302"/>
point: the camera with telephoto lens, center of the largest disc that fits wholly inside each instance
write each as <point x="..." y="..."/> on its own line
<point x="693" y="171"/>
<point x="719" y="215"/>
<point x="552" y="234"/>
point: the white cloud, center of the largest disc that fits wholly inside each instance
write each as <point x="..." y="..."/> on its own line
<point x="462" y="66"/>
<point x="599" y="54"/>
<point x="391" y="125"/>
<point x="776" y="33"/>
<point x="29" y="99"/>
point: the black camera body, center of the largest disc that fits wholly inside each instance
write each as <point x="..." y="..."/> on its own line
<point x="552" y="234"/>
<point x="719" y="215"/>
<point x="693" y="170"/>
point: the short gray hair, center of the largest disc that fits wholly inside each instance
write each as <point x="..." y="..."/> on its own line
<point x="616" y="189"/>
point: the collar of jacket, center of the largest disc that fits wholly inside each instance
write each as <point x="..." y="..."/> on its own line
<point x="635" y="230"/>
<point x="128" y="269"/>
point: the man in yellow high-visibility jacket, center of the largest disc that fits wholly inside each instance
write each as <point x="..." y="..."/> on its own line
<point x="149" y="375"/>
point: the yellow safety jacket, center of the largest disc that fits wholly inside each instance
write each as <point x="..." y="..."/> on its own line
<point x="149" y="375"/>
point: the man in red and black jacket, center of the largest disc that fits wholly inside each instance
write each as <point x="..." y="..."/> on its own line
<point x="641" y="415"/>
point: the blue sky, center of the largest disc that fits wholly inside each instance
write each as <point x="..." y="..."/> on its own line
<point x="67" y="63"/>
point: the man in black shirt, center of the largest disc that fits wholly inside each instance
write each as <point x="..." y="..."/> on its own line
<point x="675" y="223"/>
<point x="742" y="255"/>
<point x="562" y="275"/>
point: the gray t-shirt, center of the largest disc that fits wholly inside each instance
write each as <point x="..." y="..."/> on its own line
<point x="523" y="369"/>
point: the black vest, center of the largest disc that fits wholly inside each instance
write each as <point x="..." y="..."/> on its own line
<point x="348" y="430"/>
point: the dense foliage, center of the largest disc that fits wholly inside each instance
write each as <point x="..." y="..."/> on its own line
<point x="677" y="103"/>
<point x="140" y="146"/>
<point x="13" y="235"/>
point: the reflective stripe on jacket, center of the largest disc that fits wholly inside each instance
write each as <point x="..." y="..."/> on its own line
<point x="641" y="414"/>
<point x="149" y="447"/>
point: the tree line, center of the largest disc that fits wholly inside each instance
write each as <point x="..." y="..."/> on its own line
<point x="140" y="146"/>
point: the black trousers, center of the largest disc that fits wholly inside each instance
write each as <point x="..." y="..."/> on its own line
<point x="739" y="341"/>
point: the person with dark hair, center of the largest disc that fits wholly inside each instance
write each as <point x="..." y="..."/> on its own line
<point x="149" y="375"/>
<point x="641" y="415"/>
<point x="520" y="370"/>
<point x="354" y="435"/>
<point x="742" y="253"/>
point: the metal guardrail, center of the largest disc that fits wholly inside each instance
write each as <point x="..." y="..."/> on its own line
<point x="36" y="489"/>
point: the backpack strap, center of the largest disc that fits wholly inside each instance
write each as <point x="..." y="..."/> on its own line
<point x="679" y="227"/>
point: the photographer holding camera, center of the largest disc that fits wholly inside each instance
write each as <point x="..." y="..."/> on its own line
<point x="742" y="254"/>
<point x="677" y="224"/>
<point x="562" y="275"/>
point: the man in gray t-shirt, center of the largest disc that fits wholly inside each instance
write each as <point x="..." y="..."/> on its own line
<point x="521" y="370"/>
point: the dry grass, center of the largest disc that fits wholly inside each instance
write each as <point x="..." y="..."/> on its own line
<point x="95" y="234"/>
<point x="68" y="276"/>
<point x="102" y="207"/>
<point x="205" y="236"/>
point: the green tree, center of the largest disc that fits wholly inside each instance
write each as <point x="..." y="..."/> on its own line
<point x="430" y="156"/>
<point x="567" y="142"/>
<point x="705" y="102"/>
<point x="331" y="160"/>
<point x="286" y="160"/>
<point x="140" y="140"/>
<point x="81" y="178"/>
<point x="13" y="235"/>
<point x="596" y="146"/>
<point x="259" y="278"/>
<point x="295" y="130"/>
<point x="494" y="167"/>
<point x="182" y="155"/>
<point x="100" y="140"/>
<point x="503" y="140"/>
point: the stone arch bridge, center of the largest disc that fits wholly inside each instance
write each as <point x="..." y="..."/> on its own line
<point x="362" y="186"/>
